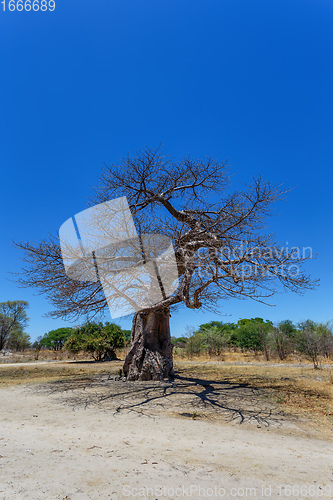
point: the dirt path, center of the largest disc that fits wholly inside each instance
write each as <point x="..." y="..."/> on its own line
<point x="10" y="364"/>
<point x="59" y="443"/>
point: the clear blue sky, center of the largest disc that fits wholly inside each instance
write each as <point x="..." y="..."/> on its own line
<point x="246" y="80"/>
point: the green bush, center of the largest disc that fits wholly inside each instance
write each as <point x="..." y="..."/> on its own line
<point x="252" y="334"/>
<point x="101" y="341"/>
<point x="211" y="338"/>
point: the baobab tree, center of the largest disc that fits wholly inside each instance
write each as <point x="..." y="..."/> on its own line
<point x="220" y="246"/>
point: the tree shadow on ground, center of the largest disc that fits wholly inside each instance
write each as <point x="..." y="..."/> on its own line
<point x="185" y="396"/>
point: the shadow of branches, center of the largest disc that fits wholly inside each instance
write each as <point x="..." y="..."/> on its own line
<point x="185" y="396"/>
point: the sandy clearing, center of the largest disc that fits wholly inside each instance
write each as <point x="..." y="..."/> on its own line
<point x="52" y="450"/>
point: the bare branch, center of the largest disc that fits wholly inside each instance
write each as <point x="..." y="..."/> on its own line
<point x="220" y="247"/>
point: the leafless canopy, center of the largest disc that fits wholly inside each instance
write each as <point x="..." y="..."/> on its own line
<point x="218" y="236"/>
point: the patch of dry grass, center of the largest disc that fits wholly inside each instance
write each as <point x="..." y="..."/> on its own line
<point x="234" y="356"/>
<point x="300" y="391"/>
<point x="42" y="355"/>
<point x="40" y="373"/>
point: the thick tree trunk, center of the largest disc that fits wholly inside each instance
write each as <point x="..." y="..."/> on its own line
<point x="150" y="355"/>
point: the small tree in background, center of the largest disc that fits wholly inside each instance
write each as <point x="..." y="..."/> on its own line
<point x="216" y="336"/>
<point x="315" y="340"/>
<point x="37" y="343"/>
<point x="212" y="337"/>
<point x="179" y="342"/>
<point x="98" y="340"/>
<point x="194" y="345"/>
<point x="283" y="338"/>
<point x="37" y="346"/>
<point x="214" y="340"/>
<point x="326" y="335"/>
<point x="55" y="339"/>
<point x="252" y="334"/>
<point x="309" y="341"/>
<point x="19" y="340"/>
<point x="13" y="317"/>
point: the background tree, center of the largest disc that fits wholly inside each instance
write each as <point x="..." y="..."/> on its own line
<point x="215" y="336"/>
<point x="283" y="338"/>
<point x="221" y="249"/>
<point x="179" y="342"/>
<point x="19" y="340"/>
<point x="194" y="345"/>
<point x="326" y="334"/>
<point x="37" y="343"/>
<point x="101" y="341"/>
<point x="37" y="346"/>
<point x="313" y="340"/>
<point x="13" y="317"/>
<point x="252" y="334"/>
<point x="55" y="339"/>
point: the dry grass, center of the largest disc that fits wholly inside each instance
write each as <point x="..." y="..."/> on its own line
<point x="246" y="357"/>
<point x="299" y="391"/>
<point x="13" y="375"/>
<point x="43" y="355"/>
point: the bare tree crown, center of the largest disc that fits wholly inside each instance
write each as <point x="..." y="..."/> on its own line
<point x="218" y="235"/>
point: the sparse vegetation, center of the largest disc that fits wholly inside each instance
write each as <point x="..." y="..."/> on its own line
<point x="310" y="340"/>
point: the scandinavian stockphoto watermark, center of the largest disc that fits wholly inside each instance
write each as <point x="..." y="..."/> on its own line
<point x="249" y="260"/>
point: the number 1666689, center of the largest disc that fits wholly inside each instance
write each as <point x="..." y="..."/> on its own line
<point x="28" y="5"/>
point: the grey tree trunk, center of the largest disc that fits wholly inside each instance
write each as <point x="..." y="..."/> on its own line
<point x="150" y="355"/>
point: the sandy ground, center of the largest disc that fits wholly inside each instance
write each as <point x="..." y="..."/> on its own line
<point x="113" y="440"/>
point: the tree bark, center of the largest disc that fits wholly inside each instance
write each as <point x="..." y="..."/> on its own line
<point x="150" y="355"/>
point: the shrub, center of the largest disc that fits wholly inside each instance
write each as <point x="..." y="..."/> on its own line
<point x="101" y="341"/>
<point x="252" y="334"/>
<point x="194" y="345"/>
